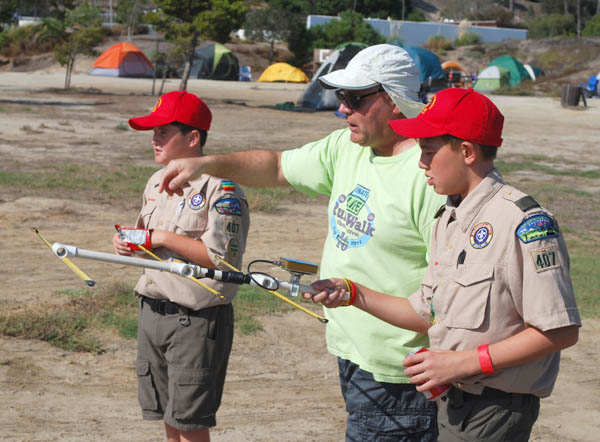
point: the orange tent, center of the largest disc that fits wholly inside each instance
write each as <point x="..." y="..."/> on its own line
<point x="122" y="60"/>
<point x="452" y="65"/>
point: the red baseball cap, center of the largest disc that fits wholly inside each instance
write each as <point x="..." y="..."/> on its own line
<point x="462" y="113"/>
<point x="180" y="106"/>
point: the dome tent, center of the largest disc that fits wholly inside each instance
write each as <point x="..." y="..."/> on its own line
<point x="283" y="72"/>
<point x="215" y="62"/>
<point x="317" y="97"/>
<point x="492" y="78"/>
<point x="122" y="60"/>
<point x="517" y="72"/>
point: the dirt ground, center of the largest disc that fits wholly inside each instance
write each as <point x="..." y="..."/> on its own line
<point x="282" y="384"/>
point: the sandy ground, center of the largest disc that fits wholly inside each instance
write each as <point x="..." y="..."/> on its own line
<point x="282" y="384"/>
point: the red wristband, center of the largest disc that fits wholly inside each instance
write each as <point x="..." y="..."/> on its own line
<point x="352" y="293"/>
<point x="484" y="359"/>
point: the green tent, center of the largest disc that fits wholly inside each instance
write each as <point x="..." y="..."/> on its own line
<point x="215" y="62"/>
<point x="516" y="69"/>
<point x="492" y="78"/>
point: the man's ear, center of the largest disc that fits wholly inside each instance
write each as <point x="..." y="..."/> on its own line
<point x="470" y="151"/>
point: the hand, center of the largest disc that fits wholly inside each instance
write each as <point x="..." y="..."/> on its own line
<point x="120" y="246"/>
<point x="331" y="292"/>
<point x="177" y="174"/>
<point x="433" y="368"/>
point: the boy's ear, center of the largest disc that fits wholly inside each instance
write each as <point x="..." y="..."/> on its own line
<point x="470" y="152"/>
<point x="194" y="138"/>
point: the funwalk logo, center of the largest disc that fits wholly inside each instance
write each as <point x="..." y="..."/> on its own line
<point x="352" y="220"/>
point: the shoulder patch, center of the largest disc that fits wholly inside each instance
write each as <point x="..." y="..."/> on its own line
<point x="545" y="259"/>
<point x="526" y="203"/>
<point x="228" y="206"/>
<point x="537" y="227"/>
<point x="228" y="186"/>
<point x="440" y="211"/>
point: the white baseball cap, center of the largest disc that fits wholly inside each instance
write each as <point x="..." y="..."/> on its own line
<point x="384" y="64"/>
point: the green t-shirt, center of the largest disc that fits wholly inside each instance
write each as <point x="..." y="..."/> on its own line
<point x="381" y="214"/>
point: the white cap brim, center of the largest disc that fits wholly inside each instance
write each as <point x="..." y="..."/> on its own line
<point x="344" y="79"/>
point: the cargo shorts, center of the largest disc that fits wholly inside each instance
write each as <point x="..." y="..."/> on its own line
<point x="181" y="364"/>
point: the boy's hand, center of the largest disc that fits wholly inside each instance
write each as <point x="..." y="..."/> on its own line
<point x="331" y="292"/>
<point x="433" y="368"/>
<point x="120" y="246"/>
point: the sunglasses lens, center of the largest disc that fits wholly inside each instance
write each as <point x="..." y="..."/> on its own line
<point x="352" y="101"/>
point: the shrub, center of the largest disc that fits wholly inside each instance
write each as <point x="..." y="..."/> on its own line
<point x="416" y="15"/>
<point x="592" y="27"/>
<point x="551" y="25"/>
<point x="466" y="39"/>
<point x="438" y="43"/>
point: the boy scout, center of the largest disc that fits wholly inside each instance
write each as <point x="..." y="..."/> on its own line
<point x="185" y="332"/>
<point x="496" y="300"/>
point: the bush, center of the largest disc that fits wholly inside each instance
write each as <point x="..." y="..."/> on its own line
<point x="592" y="27"/>
<point x="551" y="25"/>
<point x="438" y="43"/>
<point x="466" y="39"/>
<point x="416" y="15"/>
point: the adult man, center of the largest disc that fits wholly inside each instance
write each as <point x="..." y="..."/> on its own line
<point x="381" y="213"/>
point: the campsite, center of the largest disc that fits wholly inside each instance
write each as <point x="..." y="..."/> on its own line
<point x="282" y="384"/>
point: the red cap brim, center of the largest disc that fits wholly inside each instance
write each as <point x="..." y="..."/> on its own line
<point x="415" y="128"/>
<point x="148" y="122"/>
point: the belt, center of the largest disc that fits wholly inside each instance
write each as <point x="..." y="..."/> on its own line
<point x="165" y="307"/>
<point x="487" y="393"/>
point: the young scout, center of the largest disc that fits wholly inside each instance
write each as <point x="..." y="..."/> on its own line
<point x="496" y="301"/>
<point x="185" y="332"/>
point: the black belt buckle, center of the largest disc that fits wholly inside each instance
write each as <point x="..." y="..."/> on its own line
<point x="159" y="307"/>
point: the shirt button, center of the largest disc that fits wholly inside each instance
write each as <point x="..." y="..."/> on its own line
<point x="160" y="223"/>
<point x="449" y="246"/>
<point x="149" y="281"/>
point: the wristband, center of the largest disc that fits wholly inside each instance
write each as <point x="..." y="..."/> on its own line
<point x="351" y="291"/>
<point x="484" y="359"/>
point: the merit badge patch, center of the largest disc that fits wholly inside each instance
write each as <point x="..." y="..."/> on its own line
<point x="545" y="259"/>
<point x="233" y="247"/>
<point x="228" y="186"/>
<point x="198" y="201"/>
<point x="228" y="206"/>
<point x="537" y="227"/>
<point x="481" y="235"/>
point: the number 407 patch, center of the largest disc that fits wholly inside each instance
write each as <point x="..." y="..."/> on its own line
<point x="545" y="259"/>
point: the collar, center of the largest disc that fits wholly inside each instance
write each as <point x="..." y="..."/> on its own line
<point x="466" y="211"/>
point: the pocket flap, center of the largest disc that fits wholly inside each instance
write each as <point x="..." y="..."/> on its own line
<point x="196" y="376"/>
<point x="142" y="368"/>
<point x="475" y="273"/>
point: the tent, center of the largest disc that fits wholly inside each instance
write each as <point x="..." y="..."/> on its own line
<point x="455" y="74"/>
<point x="516" y="69"/>
<point x="452" y="66"/>
<point x="492" y="78"/>
<point x="283" y="72"/>
<point x="319" y="98"/>
<point x="427" y="62"/>
<point x="533" y="71"/>
<point x="215" y="62"/>
<point x="122" y="60"/>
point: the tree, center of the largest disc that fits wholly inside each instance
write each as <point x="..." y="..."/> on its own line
<point x="592" y="27"/>
<point x="129" y="14"/>
<point x="7" y="11"/>
<point x="78" y="33"/>
<point x="185" y="21"/>
<point x="270" y="25"/>
<point x="369" y="8"/>
<point x="350" y="27"/>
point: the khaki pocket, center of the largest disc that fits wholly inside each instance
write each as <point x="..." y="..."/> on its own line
<point x="193" y="395"/>
<point x="146" y="390"/>
<point x="467" y="296"/>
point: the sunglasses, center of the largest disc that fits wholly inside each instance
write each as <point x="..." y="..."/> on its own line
<point x="354" y="101"/>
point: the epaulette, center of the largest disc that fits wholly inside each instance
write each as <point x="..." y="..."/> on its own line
<point x="526" y="203"/>
<point x="440" y="211"/>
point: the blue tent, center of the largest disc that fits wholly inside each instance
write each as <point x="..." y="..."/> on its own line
<point x="427" y="62"/>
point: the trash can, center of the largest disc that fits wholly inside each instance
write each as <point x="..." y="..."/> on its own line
<point x="570" y="95"/>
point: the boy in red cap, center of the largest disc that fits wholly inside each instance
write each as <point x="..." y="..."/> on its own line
<point x="496" y="301"/>
<point x="185" y="331"/>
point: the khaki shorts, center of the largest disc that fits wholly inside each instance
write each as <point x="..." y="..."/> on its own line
<point x="181" y="364"/>
<point x="494" y="416"/>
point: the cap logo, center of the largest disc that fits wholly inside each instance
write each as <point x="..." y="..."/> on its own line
<point x="430" y="105"/>
<point x="157" y="105"/>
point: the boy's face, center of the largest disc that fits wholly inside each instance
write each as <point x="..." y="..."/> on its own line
<point x="170" y="144"/>
<point x="444" y="165"/>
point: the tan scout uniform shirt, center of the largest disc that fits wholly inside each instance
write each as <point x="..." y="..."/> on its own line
<point x="484" y="284"/>
<point x="212" y="210"/>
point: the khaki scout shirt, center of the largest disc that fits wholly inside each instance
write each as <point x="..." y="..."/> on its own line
<point x="484" y="284"/>
<point x="212" y="210"/>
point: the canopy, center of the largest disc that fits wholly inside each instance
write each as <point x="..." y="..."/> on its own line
<point x="283" y="72"/>
<point x="122" y="59"/>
